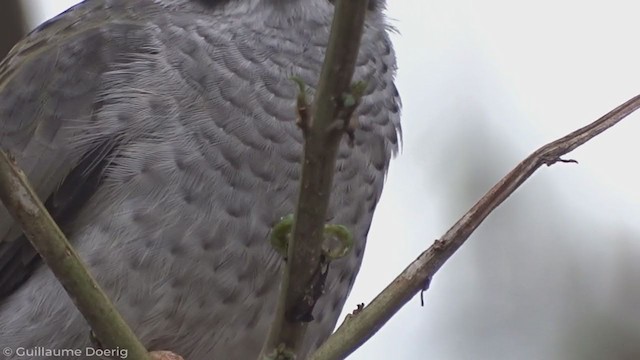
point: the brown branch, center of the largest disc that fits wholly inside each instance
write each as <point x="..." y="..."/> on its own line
<point x="45" y="236"/>
<point x="300" y="283"/>
<point x="12" y="25"/>
<point x="358" y="328"/>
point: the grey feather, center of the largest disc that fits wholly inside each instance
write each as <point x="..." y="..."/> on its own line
<point x="162" y="135"/>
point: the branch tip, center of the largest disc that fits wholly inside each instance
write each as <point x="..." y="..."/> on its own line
<point x="416" y="277"/>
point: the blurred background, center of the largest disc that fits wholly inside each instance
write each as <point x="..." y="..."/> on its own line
<point x="554" y="272"/>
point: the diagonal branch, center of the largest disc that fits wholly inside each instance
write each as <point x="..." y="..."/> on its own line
<point x="299" y="289"/>
<point x="46" y="237"/>
<point x="358" y="328"/>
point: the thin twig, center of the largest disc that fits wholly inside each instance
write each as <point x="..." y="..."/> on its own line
<point x="357" y="329"/>
<point x="45" y="236"/>
<point x="299" y="288"/>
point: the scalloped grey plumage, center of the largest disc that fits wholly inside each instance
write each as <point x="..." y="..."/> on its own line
<point x="162" y="135"/>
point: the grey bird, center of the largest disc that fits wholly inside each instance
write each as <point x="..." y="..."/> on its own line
<point x="162" y="136"/>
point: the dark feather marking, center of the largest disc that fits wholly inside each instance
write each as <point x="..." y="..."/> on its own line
<point x="212" y="3"/>
<point x="18" y="259"/>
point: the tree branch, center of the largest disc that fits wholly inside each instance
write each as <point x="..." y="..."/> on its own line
<point x="12" y="25"/>
<point x="358" y="328"/>
<point x="298" y="292"/>
<point x="45" y="236"/>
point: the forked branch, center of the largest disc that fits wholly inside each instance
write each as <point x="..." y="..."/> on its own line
<point x="357" y="329"/>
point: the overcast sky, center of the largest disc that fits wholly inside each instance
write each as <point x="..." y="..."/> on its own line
<point x="534" y="70"/>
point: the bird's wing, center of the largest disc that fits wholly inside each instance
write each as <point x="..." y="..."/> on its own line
<point x="50" y="86"/>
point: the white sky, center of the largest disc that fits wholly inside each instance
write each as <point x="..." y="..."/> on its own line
<point x="538" y="70"/>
